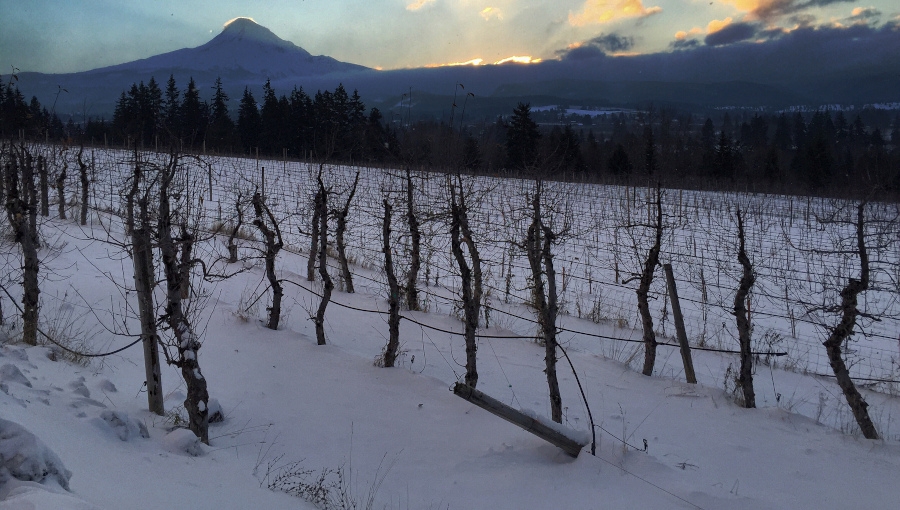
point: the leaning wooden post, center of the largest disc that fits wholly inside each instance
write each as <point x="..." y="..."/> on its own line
<point x="143" y="282"/>
<point x="516" y="417"/>
<point x="679" y="326"/>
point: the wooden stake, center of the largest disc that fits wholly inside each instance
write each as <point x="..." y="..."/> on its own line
<point x="679" y="326"/>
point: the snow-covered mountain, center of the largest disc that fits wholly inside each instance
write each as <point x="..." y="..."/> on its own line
<point x="243" y="45"/>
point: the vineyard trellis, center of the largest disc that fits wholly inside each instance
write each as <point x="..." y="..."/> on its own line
<point x="796" y="261"/>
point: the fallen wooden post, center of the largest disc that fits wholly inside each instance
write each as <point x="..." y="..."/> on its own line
<point x="517" y="417"/>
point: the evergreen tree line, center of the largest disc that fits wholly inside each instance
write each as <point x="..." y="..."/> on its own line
<point x="816" y="152"/>
<point x="330" y="125"/>
<point x="26" y="119"/>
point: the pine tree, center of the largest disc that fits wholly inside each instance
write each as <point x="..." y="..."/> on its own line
<point x="522" y="136"/>
<point x="650" y="164"/>
<point x="618" y="163"/>
<point x="172" y="110"/>
<point x="193" y="115"/>
<point x="270" y="121"/>
<point x="221" y="127"/>
<point x="248" y="121"/>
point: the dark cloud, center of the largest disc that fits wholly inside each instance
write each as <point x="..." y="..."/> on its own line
<point x="783" y="57"/>
<point x="735" y="32"/>
<point x="684" y="44"/>
<point x="802" y="20"/>
<point x="600" y="45"/>
<point x="612" y="43"/>
<point x="776" y="8"/>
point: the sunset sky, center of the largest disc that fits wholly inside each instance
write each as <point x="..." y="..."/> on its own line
<point x="77" y="35"/>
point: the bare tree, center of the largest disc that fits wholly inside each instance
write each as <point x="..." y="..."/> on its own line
<point x="232" y="247"/>
<point x="267" y="224"/>
<point x="745" y="379"/>
<point x="340" y="216"/>
<point x="85" y="185"/>
<point x="849" y="311"/>
<point x="186" y="341"/>
<point x="21" y="210"/>
<point x="415" y="236"/>
<point x="471" y="288"/>
<point x="45" y="193"/>
<point x="643" y="290"/>
<point x="61" y="189"/>
<point x="389" y="356"/>
<point x="538" y="244"/>
<point x="327" y="283"/>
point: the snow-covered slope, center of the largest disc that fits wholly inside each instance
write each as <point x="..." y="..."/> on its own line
<point x="291" y="403"/>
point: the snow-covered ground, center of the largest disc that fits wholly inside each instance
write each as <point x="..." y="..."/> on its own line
<point x="400" y="433"/>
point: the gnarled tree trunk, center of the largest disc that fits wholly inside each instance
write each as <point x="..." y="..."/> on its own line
<point x="839" y="334"/>
<point x="390" y="351"/>
<point x="643" y="291"/>
<point x="340" y="230"/>
<point x="327" y="284"/>
<point x="537" y="247"/>
<point x="274" y="243"/>
<point x="745" y="379"/>
<point x="188" y="344"/>
<point x="471" y="291"/>
<point x="415" y="237"/>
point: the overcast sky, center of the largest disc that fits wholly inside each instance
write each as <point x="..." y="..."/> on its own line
<point x="76" y="35"/>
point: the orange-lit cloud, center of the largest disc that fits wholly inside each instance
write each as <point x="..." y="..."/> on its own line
<point x="473" y="62"/>
<point x="716" y="25"/>
<point x="605" y="11"/>
<point x="491" y="12"/>
<point x="518" y="60"/>
<point x="682" y="35"/>
<point x="748" y="5"/>
<point x="418" y="4"/>
<point x="526" y="59"/>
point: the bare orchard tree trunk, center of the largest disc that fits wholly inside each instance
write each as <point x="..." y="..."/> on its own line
<point x="85" y="185"/>
<point x="340" y="230"/>
<point x="187" y="248"/>
<point x="643" y="290"/>
<point x="471" y="293"/>
<point x="390" y="351"/>
<point x="314" y="237"/>
<point x="839" y="334"/>
<point x="30" y="191"/>
<point x="232" y="247"/>
<point x="143" y="284"/>
<point x="45" y="192"/>
<point x="61" y="191"/>
<point x="327" y="284"/>
<point x="142" y="255"/>
<point x="537" y="247"/>
<point x="20" y="211"/>
<point x="415" y="236"/>
<point x="745" y="379"/>
<point x="274" y="243"/>
<point x="197" y="400"/>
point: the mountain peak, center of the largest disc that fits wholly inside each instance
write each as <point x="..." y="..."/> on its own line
<point x="247" y="30"/>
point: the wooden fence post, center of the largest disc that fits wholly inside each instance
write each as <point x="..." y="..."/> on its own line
<point x="679" y="326"/>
